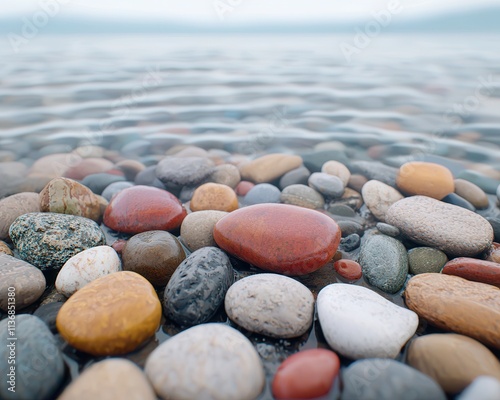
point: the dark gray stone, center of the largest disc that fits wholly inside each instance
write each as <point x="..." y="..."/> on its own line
<point x="341" y="210"/>
<point x="184" y="171"/>
<point x="262" y="193"/>
<point x="314" y="160"/>
<point x="456" y="200"/>
<point x="297" y="176"/>
<point x="147" y="177"/>
<point x="328" y="185"/>
<point x="39" y="366"/>
<point x="48" y="240"/>
<point x="375" y="170"/>
<point x="115" y="188"/>
<point x="495" y="224"/>
<point x="98" y="182"/>
<point x="426" y="260"/>
<point x="349" y="227"/>
<point x="198" y="286"/>
<point x="384" y="262"/>
<point x="388" y="230"/>
<point x="48" y="314"/>
<point x="350" y="242"/>
<point x="385" y="379"/>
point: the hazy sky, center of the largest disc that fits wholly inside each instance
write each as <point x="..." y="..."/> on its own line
<point x="236" y="10"/>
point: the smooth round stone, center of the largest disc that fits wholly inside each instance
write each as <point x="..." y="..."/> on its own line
<point x="48" y="314"/>
<point x="269" y="167"/>
<point x="489" y="185"/>
<point x="297" y="176"/>
<point x="115" y="188"/>
<point x="493" y="253"/>
<point x="214" y="196"/>
<point x="198" y="227"/>
<point x="483" y="387"/>
<point x="495" y="224"/>
<point x="385" y="379"/>
<point x="244" y="187"/>
<point x="114" y="378"/>
<point x="225" y="174"/>
<point x="328" y="185"/>
<point x="154" y="254"/>
<point x="198" y="286"/>
<point x="48" y="240"/>
<point x="341" y="210"/>
<point x="458" y="201"/>
<point x="379" y="197"/>
<point x="426" y="179"/>
<point x="452" y="303"/>
<point x="147" y="177"/>
<point x="86" y="267"/>
<point x="472" y="193"/>
<point x="302" y="196"/>
<point x="308" y="374"/>
<point x="13" y="206"/>
<point x="350" y="242"/>
<point x="357" y="182"/>
<point x="111" y="315"/>
<point x="452" y="229"/>
<point x="279" y="238"/>
<point x="66" y="196"/>
<point x="338" y="169"/>
<point x="28" y="282"/>
<point x="453" y="361"/>
<point x="271" y="305"/>
<point x="348" y="269"/>
<point x="262" y="193"/>
<point x="89" y="151"/>
<point x="389" y="230"/>
<point x="359" y="323"/>
<point x="4" y="249"/>
<point x="424" y="260"/>
<point x="144" y="208"/>
<point x="374" y="170"/>
<point x="314" y="160"/>
<point x="473" y="269"/>
<point x="39" y="365"/>
<point x="184" y="171"/>
<point x="211" y="361"/>
<point x="384" y="262"/>
<point x="350" y="227"/>
<point x="88" y="166"/>
<point x="130" y="168"/>
<point x="55" y="165"/>
<point x="98" y="182"/>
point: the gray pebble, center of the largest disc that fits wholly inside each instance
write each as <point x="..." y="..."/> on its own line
<point x="184" y="171"/>
<point x="328" y="185"/>
<point x="426" y="259"/>
<point x="262" y="193"/>
<point x="388" y="230"/>
<point x="303" y="196"/>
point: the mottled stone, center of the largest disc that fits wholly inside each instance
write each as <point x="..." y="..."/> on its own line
<point x="297" y="176"/>
<point x="39" y="365"/>
<point x="473" y="269"/>
<point x="302" y="196"/>
<point x="154" y="254"/>
<point x="197" y="228"/>
<point x="198" y="286"/>
<point x="214" y="196"/>
<point x="385" y="379"/>
<point x="4" y="249"/>
<point x="328" y="185"/>
<point x="359" y="323"/>
<point x="493" y="254"/>
<point x="225" y="174"/>
<point x="270" y="304"/>
<point x="269" y="167"/>
<point x="454" y="230"/>
<point x="48" y="240"/>
<point x="455" y="304"/>
<point x="207" y="361"/>
<point x="338" y="169"/>
<point x="13" y="206"/>
<point x="348" y="269"/>
<point x="111" y="315"/>
<point x="378" y="197"/>
<point x="262" y="193"/>
<point x="115" y="378"/>
<point x="279" y="238"/>
<point x="425" y="260"/>
<point x="483" y="387"/>
<point x="183" y="171"/>
<point x="21" y="284"/>
<point x="453" y="361"/>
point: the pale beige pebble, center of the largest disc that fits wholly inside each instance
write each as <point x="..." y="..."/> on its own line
<point x="226" y="174"/>
<point x="337" y="169"/>
<point x="54" y="165"/>
<point x="110" y="379"/>
<point x="197" y="228"/>
<point x="269" y="167"/>
<point x="472" y="193"/>
<point x="13" y="206"/>
<point x="379" y="197"/>
<point x="4" y="249"/>
<point x="453" y="361"/>
<point x="90" y="151"/>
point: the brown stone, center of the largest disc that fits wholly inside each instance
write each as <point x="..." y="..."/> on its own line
<point x="197" y="228"/>
<point x="269" y="167"/>
<point x="472" y="193"/>
<point x="426" y="179"/>
<point x="13" y="206"/>
<point x="4" y="249"/>
<point x="214" y="196"/>
<point x="356" y="182"/>
<point x="493" y="253"/>
<point x="130" y="168"/>
<point x="473" y="269"/>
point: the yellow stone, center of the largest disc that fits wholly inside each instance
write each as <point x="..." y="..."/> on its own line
<point x="111" y="315"/>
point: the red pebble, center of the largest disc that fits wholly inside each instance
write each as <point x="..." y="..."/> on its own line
<point x="473" y="269"/>
<point x="119" y="245"/>
<point x="348" y="269"/>
<point x="306" y="375"/>
<point x="243" y="188"/>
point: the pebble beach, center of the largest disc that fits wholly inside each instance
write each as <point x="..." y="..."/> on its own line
<point x="250" y="222"/>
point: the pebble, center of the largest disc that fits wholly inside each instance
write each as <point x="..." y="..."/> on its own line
<point x="452" y="303"/>
<point x="130" y="168"/>
<point x="115" y="188"/>
<point x="389" y="230"/>
<point x="330" y="186"/>
<point x="4" y="249"/>
<point x="458" y="201"/>
<point x="271" y="305"/>
<point x="495" y="224"/>
<point x="385" y="379"/>
<point x="48" y="240"/>
<point x="297" y="176"/>
<point x="472" y="193"/>
<point x="13" y="206"/>
<point x="269" y="167"/>
<point x="147" y="177"/>
<point x="338" y="169"/>
<point x="341" y="210"/>
<point x="28" y="282"/>
<point x="184" y="171"/>
<point x="98" y="182"/>
<point x="211" y="361"/>
<point x="350" y="198"/>
<point x="487" y="184"/>
<point x="111" y="315"/>
<point x="483" y="387"/>
<point x="493" y="254"/>
<point x="144" y="208"/>
<point x="315" y="159"/>
<point x="244" y="187"/>
<point x="279" y="238"/>
<point x="262" y="193"/>
<point x="350" y="242"/>
<point x="357" y="182"/>
<point x="374" y="170"/>
<point x="198" y="286"/>
<point x="426" y="260"/>
<point x="473" y="269"/>
<point x="425" y="179"/>
<point x="225" y="174"/>
<point x="454" y="230"/>
<point x="453" y="361"/>
<point x="308" y="374"/>
<point x="86" y="267"/>
<point x="214" y="196"/>
<point x="115" y="378"/>
<point x="88" y="166"/>
<point x="350" y="227"/>
<point x="359" y="323"/>
<point x="155" y="255"/>
<point x="302" y="196"/>
<point x="378" y="197"/>
<point x="48" y="314"/>
<point x="39" y="365"/>
<point x="348" y="269"/>
<point x="197" y="228"/>
<point x="384" y="262"/>
<point x="54" y="165"/>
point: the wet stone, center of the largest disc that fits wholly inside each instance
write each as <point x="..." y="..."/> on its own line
<point x="98" y="182"/>
<point x="425" y="260"/>
<point x="184" y="171"/>
<point x="388" y="230"/>
<point x="114" y="188"/>
<point x="262" y="193"/>
<point x="297" y="176"/>
<point x="328" y="185"/>
<point x="350" y="227"/>
<point x="351" y="242"/>
<point x="456" y="200"/>
<point x="197" y="228"/>
<point x="302" y="196"/>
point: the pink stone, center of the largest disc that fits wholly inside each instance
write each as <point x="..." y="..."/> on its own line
<point x="348" y="269"/>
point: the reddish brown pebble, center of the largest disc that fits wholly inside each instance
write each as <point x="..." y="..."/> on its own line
<point x="88" y="166"/>
<point x="348" y="269"/>
<point x="473" y="269"/>
<point x="243" y="188"/>
<point x="119" y="245"/>
<point x="214" y="196"/>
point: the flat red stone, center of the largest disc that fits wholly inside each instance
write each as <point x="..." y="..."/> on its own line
<point x="144" y="208"/>
<point x="473" y="269"/>
<point x="280" y="238"/>
<point x="308" y="374"/>
<point x="348" y="269"/>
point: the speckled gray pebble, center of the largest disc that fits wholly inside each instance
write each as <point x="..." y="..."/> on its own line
<point x="426" y="260"/>
<point x="328" y="185"/>
<point x="262" y="193"/>
<point x="198" y="286"/>
<point x="388" y="230"/>
<point x="48" y="240"/>
<point x="184" y="171"/>
<point x="297" y="176"/>
<point x="303" y="196"/>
